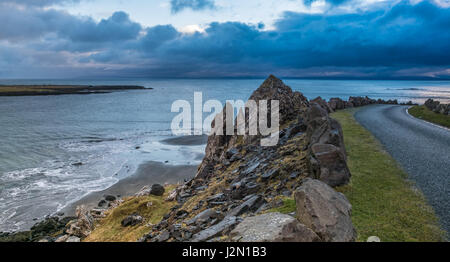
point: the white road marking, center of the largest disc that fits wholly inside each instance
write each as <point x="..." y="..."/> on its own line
<point x="442" y="127"/>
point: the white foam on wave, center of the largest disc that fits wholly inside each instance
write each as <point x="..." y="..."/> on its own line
<point x="39" y="191"/>
<point x="36" y="192"/>
<point x="173" y="154"/>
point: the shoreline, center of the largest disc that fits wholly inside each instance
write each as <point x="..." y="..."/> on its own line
<point x="44" y="90"/>
<point x="148" y="173"/>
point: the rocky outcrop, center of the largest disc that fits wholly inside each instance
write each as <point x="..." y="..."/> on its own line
<point x="431" y="104"/>
<point x="43" y="230"/>
<point x="239" y="179"/>
<point x="83" y="225"/>
<point x="437" y="107"/>
<point x="272" y="227"/>
<point x="292" y="105"/>
<point x="327" y="156"/>
<point x="323" y="104"/>
<point x="325" y="211"/>
<point x="337" y="103"/>
<point x="360" y="101"/>
<point x="64" y="229"/>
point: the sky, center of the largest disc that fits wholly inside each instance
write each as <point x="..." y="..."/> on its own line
<point x="372" y="39"/>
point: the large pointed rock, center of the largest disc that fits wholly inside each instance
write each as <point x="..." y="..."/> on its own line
<point x="292" y="105"/>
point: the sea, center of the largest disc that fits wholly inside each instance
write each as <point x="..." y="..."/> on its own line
<point x="56" y="149"/>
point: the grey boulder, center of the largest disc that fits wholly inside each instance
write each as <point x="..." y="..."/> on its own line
<point x="157" y="190"/>
<point x="132" y="220"/>
<point x="272" y="227"/>
<point x="324" y="210"/>
<point x="330" y="164"/>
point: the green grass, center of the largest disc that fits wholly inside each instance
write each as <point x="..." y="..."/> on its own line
<point x="385" y="203"/>
<point x="109" y="229"/>
<point x="287" y="207"/>
<point x="424" y="113"/>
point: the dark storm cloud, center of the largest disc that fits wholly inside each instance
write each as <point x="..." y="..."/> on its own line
<point x="391" y="42"/>
<point x="404" y="36"/>
<point x="158" y="35"/>
<point x="33" y="23"/>
<point x="116" y="28"/>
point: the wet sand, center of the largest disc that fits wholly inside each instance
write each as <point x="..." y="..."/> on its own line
<point x="186" y="140"/>
<point x="147" y="174"/>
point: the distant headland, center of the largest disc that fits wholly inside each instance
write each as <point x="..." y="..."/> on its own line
<point x="37" y="90"/>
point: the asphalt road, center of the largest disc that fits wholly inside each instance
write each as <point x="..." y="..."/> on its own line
<point x="421" y="148"/>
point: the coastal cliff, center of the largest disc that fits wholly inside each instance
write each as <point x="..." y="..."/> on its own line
<point x="240" y="182"/>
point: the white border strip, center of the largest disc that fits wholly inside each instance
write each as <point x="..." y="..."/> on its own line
<point x="442" y="127"/>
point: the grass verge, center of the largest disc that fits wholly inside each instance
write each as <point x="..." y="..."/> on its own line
<point x="385" y="203"/>
<point x="426" y="114"/>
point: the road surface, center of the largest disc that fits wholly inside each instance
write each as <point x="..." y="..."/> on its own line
<point x="421" y="148"/>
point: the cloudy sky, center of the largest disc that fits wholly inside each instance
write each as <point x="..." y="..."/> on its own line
<point x="374" y="39"/>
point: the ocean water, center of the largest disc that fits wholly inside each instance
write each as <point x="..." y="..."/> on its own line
<point x="43" y="138"/>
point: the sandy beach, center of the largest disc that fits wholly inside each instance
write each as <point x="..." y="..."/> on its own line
<point x="186" y="140"/>
<point x="148" y="173"/>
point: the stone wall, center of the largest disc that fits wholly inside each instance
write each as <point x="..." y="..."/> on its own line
<point x="336" y="103"/>
<point x="437" y="107"/>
